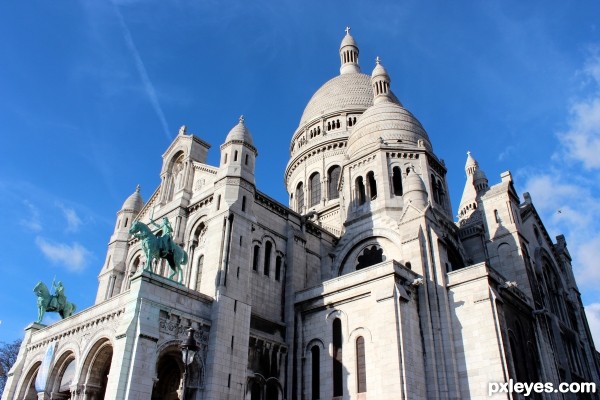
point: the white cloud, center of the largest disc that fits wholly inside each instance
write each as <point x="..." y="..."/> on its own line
<point x="593" y="316"/>
<point x="74" y="257"/>
<point x="73" y="220"/>
<point x="567" y="195"/>
<point x="582" y="139"/>
<point x="32" y="220"/>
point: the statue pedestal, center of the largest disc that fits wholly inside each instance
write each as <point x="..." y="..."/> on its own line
<point x="35" y="326"/>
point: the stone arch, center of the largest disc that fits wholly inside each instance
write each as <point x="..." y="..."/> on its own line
<point x="175" y="173"/>
<point x="63" y="375"/>
<point x="385" y="238"/>
<point x="192" y="224"/>
<point x="196" y="234"/>
<point x="168" y="372"/>
<point x="360" y="331"/>
<point x="27" y="389"/>
<point x="334" y="172"/>
<point x="260" y="388"/>
<point x="314" y="342"/>
<point x="342" y="316"/>
<point x="96" y="367"/>
<point x="135" y="261"/>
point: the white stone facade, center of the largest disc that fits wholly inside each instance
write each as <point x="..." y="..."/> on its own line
<point x="363" y="288"/>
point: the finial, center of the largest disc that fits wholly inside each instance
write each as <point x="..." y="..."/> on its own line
<point x="377" y="60"/>
<point x="468" y="153"/>
<point x="137" y="188"/>
<point x="347" y="30"/>
<point x="241" y="119"/>
<point x="182" y="130"/>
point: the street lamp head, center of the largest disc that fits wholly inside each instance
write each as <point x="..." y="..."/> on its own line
<point x="189" y="347"/>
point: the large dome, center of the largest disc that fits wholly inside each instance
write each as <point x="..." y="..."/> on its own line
<point x="346" y="91"/>
<point x="342" y="92"/>
<point x="386" y="122"/>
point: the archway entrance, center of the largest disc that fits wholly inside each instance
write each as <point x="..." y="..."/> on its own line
<point x="28" y="391"/>
<point x="169" y="372"/>
<point x="96" y="369"/>
<point x="63" y="376"/>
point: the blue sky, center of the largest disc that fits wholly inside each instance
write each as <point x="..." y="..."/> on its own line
<point x="92" y="93"/>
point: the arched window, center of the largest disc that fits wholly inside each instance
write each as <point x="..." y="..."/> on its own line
<point x="333" y="178"/>
<point x="315" y="373"/>
<point x="360" y="191"/>
<point x="372" y="185"/>
<point x="370" y="256"/>
<point x="278" y="268"/>
<point x="440" y="192"/>
<point x="397" y="181"/>
<point x="300" y="197"/>
<point x="361" y="366"/>
<point x="255" y="257"/>
<point x="338" y="388"/>
<point x="434" y="189"/>
<point x="315" y="189"/>
<point x="218" y="202"/>
<point x="235" y="155"/>
<point x="267" y="262"/>
<point x="199" y="264"/>
<point x="225" y="159"/>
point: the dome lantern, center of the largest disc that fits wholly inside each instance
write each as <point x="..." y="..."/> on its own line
<point x="349" y="54"/>
<point x="381" y="82"/>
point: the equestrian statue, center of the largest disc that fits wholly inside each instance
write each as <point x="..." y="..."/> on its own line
<point x="52" y="303"/>
<point x="160" y="245"/>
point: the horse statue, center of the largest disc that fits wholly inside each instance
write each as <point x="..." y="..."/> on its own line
<point x="157" y="247"/>
<point x="52" y="303"/>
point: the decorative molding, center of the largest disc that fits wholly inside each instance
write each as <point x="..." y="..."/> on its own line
<point x="108" y="320"/>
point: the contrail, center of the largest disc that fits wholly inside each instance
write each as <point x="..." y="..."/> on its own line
<point x="143" y="73"/>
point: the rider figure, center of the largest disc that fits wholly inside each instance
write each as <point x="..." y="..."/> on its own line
<point x="59" y="293"/>
<point x="167" y="233"/>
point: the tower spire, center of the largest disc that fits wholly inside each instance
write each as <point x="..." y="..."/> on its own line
<point x="349" y="54"/>
<point x="475" y="186"/>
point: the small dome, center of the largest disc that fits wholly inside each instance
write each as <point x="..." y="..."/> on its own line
<point x="379" y="69"/>
<point x="134" y="202"/>
<point x="344" y="92"/>
<point x="240" y="133"/>
<point x="348" y="40"/>
<point x="386" y="122"/>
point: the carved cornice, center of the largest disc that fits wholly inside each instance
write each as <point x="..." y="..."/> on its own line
<point x="205" y="202"/>
<point x="271" y="204"/>
<point x="109" y="319"/>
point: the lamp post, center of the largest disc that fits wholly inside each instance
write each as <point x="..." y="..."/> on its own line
<point x="188" y="350"/>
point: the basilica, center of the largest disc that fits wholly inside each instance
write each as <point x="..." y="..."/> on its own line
<point x="364" y="286"/>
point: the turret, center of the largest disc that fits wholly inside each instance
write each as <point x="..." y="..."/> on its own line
<point x="238" y="154"/>
<point x="476" y="185"/>
<point x="381" y="83"/>
<point x="349" y="54"/>
<point x="112" y="273"/>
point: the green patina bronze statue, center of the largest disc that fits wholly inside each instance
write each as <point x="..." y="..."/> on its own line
<point x="52" y="303"/>
<point x="160" y="246"/>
